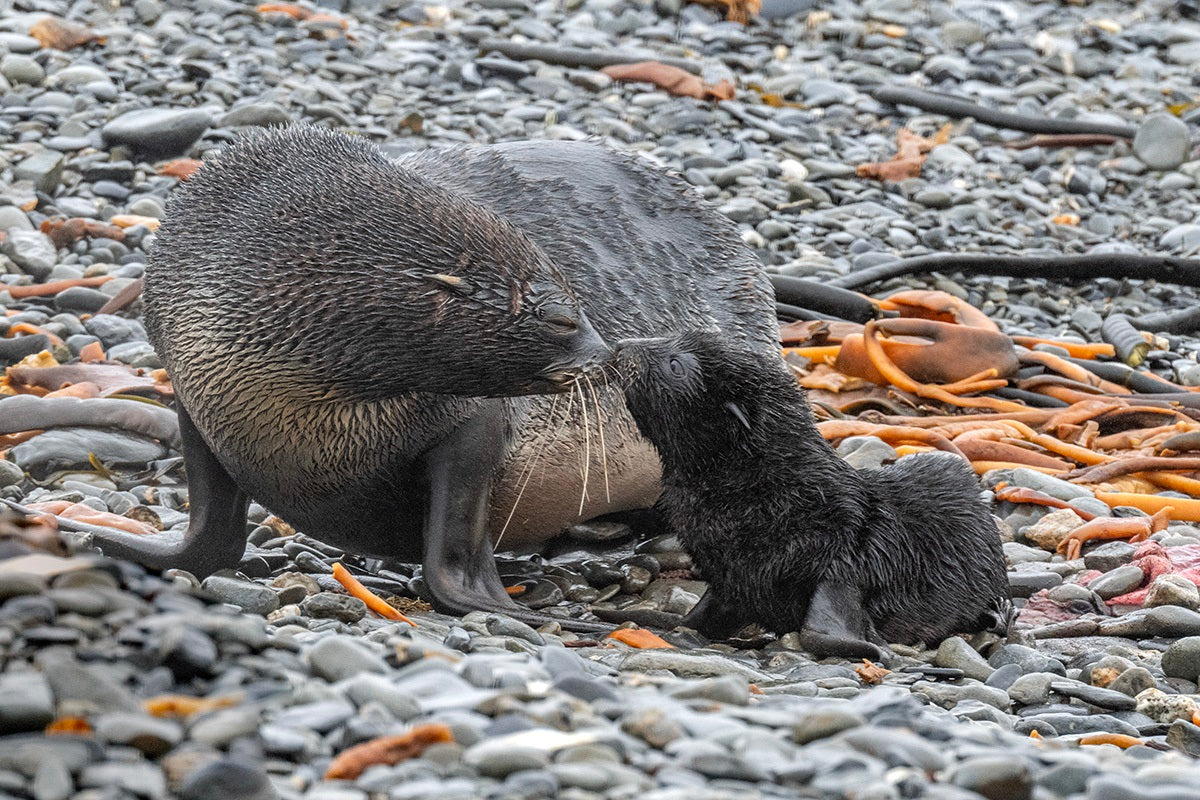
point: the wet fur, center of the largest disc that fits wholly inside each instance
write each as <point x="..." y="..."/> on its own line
<point x="770" y="512"/>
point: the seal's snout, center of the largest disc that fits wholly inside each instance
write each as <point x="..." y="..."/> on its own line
<point x="588" y="345"/>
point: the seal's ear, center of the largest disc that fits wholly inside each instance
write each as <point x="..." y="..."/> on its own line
<point x="451" y="282"/>
<point x="736" y="410"/>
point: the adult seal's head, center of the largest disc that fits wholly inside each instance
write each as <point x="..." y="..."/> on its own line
<point x="786" y="532"/>
<point x="291" y="232"/>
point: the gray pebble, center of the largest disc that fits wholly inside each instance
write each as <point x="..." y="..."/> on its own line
<point x="957" y="654"/>
<point x="1119" y="581"/>
<point x="25" y="702"/>
<point x="251" y="597"/>
<point x="336" y="658"/>
<point x="158" y="131"/>
<point x="1163" y="141"/>
<point x="1182" y="659"/>
<point x="329" y="605"/>
<point x="32" y="251"/>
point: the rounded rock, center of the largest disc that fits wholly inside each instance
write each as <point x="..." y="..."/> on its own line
<point x="1163" y="141"/>
<point x="995" y="777"/>
<point x="1182" y="659"/>
<point x="158" y="131"/>
<point x="1173" y="590"/>
<point x="227" y="778"/>
<point x="251" y="597"/>
<point x="329" y="605"/>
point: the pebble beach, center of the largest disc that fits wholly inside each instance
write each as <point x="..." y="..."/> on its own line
<point x="272" y="682"/>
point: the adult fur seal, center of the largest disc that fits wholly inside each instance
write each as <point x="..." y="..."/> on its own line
<point x="785" y="531"/>
<point x="356" y="343"/>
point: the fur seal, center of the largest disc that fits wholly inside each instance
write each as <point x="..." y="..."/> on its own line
<point x="364" y="345"/>
<point x="786" y="532"/>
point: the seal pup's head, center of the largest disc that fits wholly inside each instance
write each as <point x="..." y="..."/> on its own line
<point x="698" y="393"/>
<point x="291" y="231"/>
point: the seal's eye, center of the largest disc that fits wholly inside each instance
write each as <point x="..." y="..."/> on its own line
<point x="677" y="368"/>
<point x="561" y="322"/>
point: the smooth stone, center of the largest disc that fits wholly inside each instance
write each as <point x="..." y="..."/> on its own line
<point x="585" y="688"/>
<point x="1111" y="786"/>
<point x="322" y="716"/>
<point x="372" y="688"/>
<point x="219" y="728"/>
<point x="1030" y="660"/>
<point x="1004" y="677"/>
<point x="253" y="598"/>
<point x="112" y="330"/>
<point x="653" y="726"/>
<point x="255" y="114"/>
<point x="1184" y="237"/>
<point x="72" y="448"/>
<point x="32" y="251"/>
<point x="229" y="779"/>
<point x="896" y="746"/>
<point x="730" y="689"/>
<point x="1066" y="724"/>
<point x="1182" y="659"/>
<point x="1185" y="737"/>
<point x="1133" y="681"/>
<point x="18" y="584"/>
<point x="690" y="665"/>
<point x="498" y="758"/>
<point x="1033" y="688"/>
<point x="948" y="695"/>
<point x="955" y="653"/>
<point x="13" y="218"/>
<point x="1055" y="487"/>
<point x="329" y="605"/>
<point x="19" y="68"/>
<point x="866" y="452"/>
<point x="994" y="777"/>
<point x="336" y="658"/>
<point x="1027" y="584"/>
<point x="1108" y="556"/>
<point x="157" y="131"/>
<point x="1121" y="580"/>
<point x="44" y="169"/>
<point x="1095" y="695"/>
<point x="150" y="735"/>
<point x="1172" y="621"/>
<point x="1051" y="529"/>
<point x="80" y="298"/>
<point x="52" y="781"/>
<point x="26" y="702"/>
<point x="1173" y="590"/>
<point x="86" y="685"/>
<point x="1163" y="141"/>
<point x="140" y="778"/>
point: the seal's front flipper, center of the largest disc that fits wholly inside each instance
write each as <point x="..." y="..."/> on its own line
<point x="837" y="624"/>
<point x="216" y="533"/>
<point x="713" y="617"/>
<point x="459" y="567"/>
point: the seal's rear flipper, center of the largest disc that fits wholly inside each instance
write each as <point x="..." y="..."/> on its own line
<point x="459" y="567"/>
<point x="837" y="624"/>
<point x="216" y="533"/>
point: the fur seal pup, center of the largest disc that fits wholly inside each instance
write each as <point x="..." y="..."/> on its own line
<point x="363" y="345"/>
<point x="786" y="532"/>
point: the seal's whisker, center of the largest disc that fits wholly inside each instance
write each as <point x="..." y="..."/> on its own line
<point x="587" y="446"/>
<point x="600" y="429"/>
